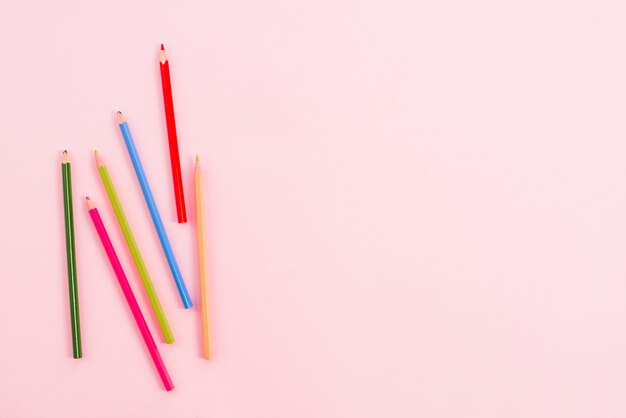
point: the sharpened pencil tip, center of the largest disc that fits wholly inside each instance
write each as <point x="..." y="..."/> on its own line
<point x="162" y="55"/>
<point x="98" y="159"/>
<point x="119" y="117"/>
<point x="65" y="158"/>
<point x="119" y="112"/>
<point x="89" y="203"/>
<point x="197" y="158"/>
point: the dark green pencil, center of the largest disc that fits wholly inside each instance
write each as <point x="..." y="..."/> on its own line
<point x="71" y="254"/>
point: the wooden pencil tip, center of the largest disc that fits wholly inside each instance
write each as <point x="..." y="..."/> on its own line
<point x="90" y="204"/>
<point x="65" y="158"/>
<point x="119" y="117"/>
<point x="98" y="159"/>
<point x="197" y="158"/>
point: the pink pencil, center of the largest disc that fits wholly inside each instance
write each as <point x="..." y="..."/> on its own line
<point x="130" y="297"/>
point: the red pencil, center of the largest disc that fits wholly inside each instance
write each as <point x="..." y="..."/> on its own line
<point x="171" y="134"/>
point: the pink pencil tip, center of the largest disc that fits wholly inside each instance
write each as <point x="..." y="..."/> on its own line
<point x="162" y="49"/>
<point x="89" y="203"/>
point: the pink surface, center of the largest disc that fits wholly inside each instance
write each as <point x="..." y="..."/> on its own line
<point x="415" y="209"/>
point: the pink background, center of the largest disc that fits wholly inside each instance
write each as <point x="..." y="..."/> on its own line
<point x="416" y="209"/>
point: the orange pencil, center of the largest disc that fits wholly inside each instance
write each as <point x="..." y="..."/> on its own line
<point x="207" y="349"/>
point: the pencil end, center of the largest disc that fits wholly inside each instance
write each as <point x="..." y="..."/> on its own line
<point x="65" y="158"/>
<point x="162" y="48"/>
<point x="98" y="158"/>
<point x="119" y="117"/>
<point x="197" y="158"/>
<point x="89" y="203"/>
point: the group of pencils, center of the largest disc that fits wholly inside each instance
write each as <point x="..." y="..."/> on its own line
<point x="131" y="242"/>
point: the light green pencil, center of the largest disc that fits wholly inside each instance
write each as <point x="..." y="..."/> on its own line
<point x="134" y="250"/>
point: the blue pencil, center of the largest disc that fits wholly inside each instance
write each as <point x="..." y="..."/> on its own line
<point x="154" y="212"/>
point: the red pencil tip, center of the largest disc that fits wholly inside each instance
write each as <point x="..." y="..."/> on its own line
<point x="162" y="49"/>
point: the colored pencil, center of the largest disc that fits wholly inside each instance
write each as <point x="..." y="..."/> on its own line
<point x="207" y="348"/>
<point x="170" y="121"/>
<point x="70" y="249"/>
<point x="129" y="237"/>
<point x="128" y="294"/>
<point x="154" y="212"/>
